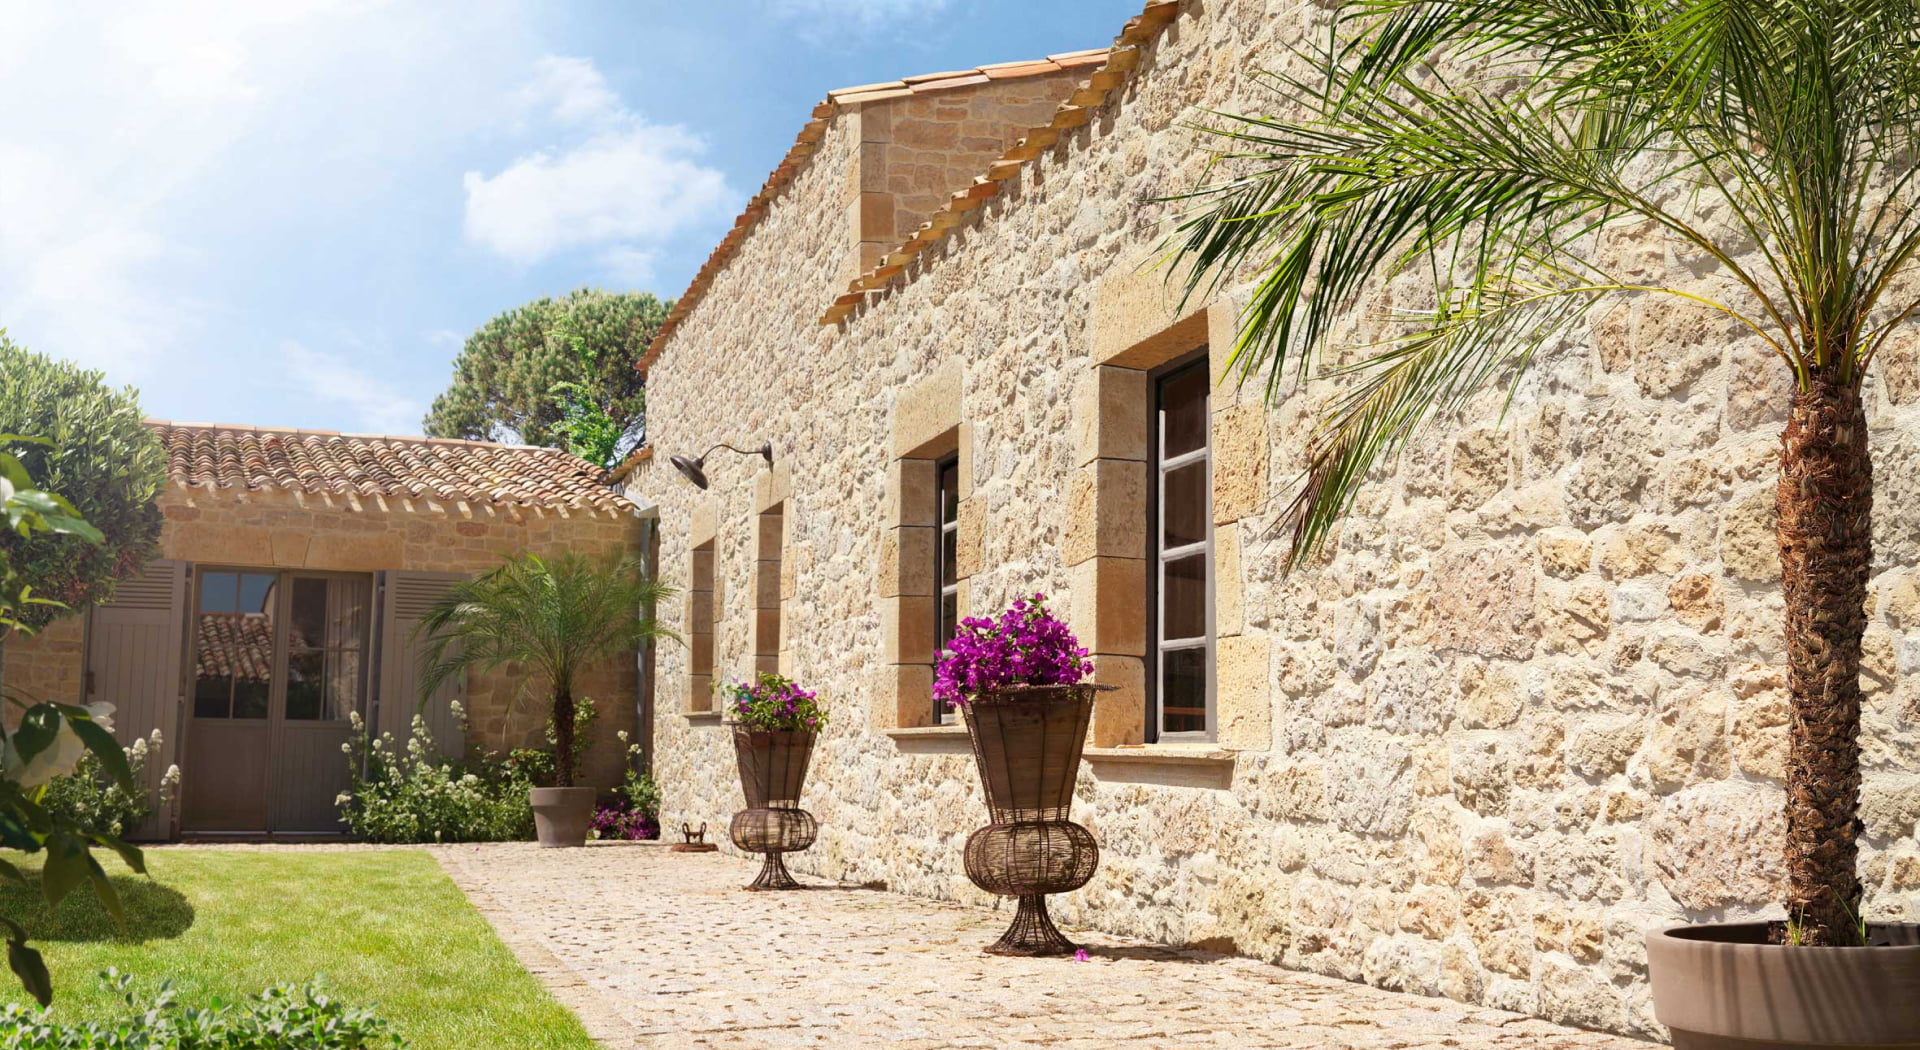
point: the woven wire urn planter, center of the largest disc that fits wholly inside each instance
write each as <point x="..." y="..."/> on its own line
<point x="1027" y="742"/>
<point x="773" y="766"/>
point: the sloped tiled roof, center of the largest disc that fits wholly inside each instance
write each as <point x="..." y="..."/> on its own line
<point x="220" y="456"/>
<point x="815" y="132"/>
<point x="1116" y="65"/>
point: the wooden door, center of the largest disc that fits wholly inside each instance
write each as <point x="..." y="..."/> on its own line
<point x="134" y="649"/>
<point x="232" y="682"/>
<point x="324" y="666"/>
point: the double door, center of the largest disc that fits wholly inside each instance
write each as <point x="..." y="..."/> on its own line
<point x="279" y="665"/>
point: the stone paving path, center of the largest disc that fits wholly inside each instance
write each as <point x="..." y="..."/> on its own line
<point x="665" y="951"/>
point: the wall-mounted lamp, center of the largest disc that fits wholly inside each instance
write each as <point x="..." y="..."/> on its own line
<point x="696" y="469"/>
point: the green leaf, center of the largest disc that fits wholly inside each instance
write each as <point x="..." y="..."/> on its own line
<point x="27" y="965"/>
<point x="130" y="855"/>
<point x="9" y="871"/>
<point x="106" y="749"/>
<point x="65" y="869"/>
<point x="38" y="728"/>
<point x="103" y="889"/>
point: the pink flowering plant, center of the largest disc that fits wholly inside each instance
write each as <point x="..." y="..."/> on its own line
<point x="775" y="702"/>
<point x="1026" y="645"/>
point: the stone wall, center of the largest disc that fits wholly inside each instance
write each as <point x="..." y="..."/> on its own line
<point x="1531" y="706"/>
<point x="280" y="530"/>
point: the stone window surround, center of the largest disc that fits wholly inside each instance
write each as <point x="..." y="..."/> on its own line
<point x="926" y="429"/>
<point x="1135" y="330"/>
<point x="773" y="574"/>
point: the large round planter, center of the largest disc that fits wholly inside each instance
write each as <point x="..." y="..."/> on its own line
<point x="773" y="768"/>
<point x="1027" y="742"/>
<point x="561" y="816"/>
<point x="1725" y="987"/>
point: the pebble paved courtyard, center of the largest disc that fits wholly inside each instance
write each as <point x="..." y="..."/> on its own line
<point x="663" y="951"/>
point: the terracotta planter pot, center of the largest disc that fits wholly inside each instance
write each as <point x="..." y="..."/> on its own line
<point x="1027" y="743"/>
<point x="773" y="769"/>
<point x="1724" y="987"/>
<point x="561" y="816"/>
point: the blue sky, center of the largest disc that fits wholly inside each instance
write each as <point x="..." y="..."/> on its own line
<point x="293" y="212"/>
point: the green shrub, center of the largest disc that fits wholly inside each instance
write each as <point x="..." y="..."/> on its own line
<point x="101" y="458"/>
<point x="280" y="1018"/>
<point x="414" y="794"/>
<point x="95" y="801"/>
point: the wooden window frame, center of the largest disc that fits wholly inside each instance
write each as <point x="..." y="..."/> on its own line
<point x="1158" y="556"/>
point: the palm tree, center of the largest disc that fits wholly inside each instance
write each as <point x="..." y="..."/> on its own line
<point x="554" y="617"/>
<point x="1490" y="143"/>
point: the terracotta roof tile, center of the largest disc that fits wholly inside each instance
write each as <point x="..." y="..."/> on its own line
<point x="807" y="141"/>
<point x="256" y="459"/>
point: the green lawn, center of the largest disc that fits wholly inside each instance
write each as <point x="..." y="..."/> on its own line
<point x="384" y="929"/>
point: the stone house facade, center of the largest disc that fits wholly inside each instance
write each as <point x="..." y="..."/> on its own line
<point x="1529" y="707"/>
<point x="343" y="539"/>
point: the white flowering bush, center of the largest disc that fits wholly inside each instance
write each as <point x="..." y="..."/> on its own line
<point x="411" y="793"/>
<point x="94" y="800"/>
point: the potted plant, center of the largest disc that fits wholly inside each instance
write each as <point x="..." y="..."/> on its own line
<point x="555" y="617"/>
<point x="774" y="725"/>
<point x="1018" y="681"/>
<point x="1538" y="161"/>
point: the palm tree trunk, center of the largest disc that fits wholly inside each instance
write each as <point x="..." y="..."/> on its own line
<point x="1825" y="502"/>
<point x="563" y="716"/>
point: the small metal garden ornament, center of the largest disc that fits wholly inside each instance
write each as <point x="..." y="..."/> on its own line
<point x="774" y="724"/>
<point x="694" y="841"/>
<point x="1017" y="681"/>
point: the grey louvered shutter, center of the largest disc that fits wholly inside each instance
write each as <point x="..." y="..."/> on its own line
<point x="135" y="647"/>
<point x="404" y="599"/>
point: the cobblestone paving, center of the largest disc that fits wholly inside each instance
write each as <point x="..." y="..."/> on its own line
<point x="665" y="951"/>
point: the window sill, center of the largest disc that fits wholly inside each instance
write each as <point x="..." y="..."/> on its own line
<point x="1173" y="765"/>
<point x="932" y="740"/>
<point x="702" y="718"/>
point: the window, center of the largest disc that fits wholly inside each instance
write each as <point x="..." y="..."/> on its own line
<point x="1180" y="519"/>
<point x="295" y="638"/>
<point x="700" y="629"/>
<point x="946" y="577"/>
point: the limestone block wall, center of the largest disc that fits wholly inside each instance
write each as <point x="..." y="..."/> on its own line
<point x="1530" y="706"/>
<point x="279" y="530"/>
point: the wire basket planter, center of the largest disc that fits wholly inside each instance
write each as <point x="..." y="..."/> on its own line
<point x="1027" y="742"/>
<point x="773" y="767"/>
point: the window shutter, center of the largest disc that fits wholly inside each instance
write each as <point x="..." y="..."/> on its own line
<point x="404" y="599"/>
<point x="135" y="646"/>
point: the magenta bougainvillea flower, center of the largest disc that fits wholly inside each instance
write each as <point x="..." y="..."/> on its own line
<point x="774" y="701"/>
<point x="1026" y="645"/>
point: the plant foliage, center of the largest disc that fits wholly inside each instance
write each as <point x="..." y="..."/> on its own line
<point x="281" y="1018"/>
<point x="554" y="617"/>
<point x="106" y="465"/>
<point x="561" y="372"/>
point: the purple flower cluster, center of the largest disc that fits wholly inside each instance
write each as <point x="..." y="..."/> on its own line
<point x="615" y="822"/>
<point x="1025" y="646"/>
<point x="774" y="701"/>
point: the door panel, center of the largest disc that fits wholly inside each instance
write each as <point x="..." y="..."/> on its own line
<point x="309" y="772"/>
<point x="226" y="776"/>
<point x="134" y="644"/>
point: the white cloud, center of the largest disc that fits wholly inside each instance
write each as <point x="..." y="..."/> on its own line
<point x="572" y="91"/>
<point x="626" y="187"/>
<point x="132" y="141"/>
<point x="377" y="407"/>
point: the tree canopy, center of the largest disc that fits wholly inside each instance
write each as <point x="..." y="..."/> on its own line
<point x="560" y="372"/>
<point x="97" y="454"/>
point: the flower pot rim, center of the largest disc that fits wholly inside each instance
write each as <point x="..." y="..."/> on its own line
<point x="1703" y="933"/>
<point x="742" y="727"/>
<point x="1014" y="694"/>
